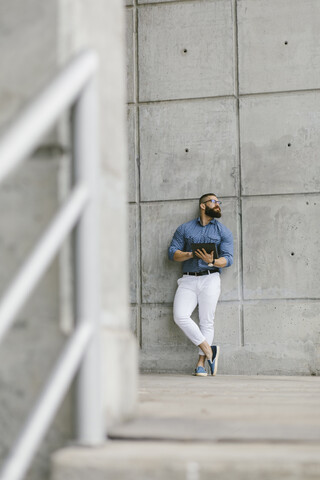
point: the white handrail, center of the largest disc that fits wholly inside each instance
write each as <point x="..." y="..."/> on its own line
<point x="42" y="255"/>
<point x="73" y="87"/>
<point x="48" y="403"/>
<point x="26" y="132"/>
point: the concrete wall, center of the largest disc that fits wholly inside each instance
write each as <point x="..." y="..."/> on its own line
<point x="36" y="39"/>
<point x="223" y="96"/>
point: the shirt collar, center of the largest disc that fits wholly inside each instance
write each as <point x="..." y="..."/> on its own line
<point x="199" y="221"/>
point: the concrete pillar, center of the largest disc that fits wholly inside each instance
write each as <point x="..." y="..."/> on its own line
<point x="36" y="39"/>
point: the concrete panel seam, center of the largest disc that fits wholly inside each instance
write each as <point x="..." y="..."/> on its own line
<point x="177" y="2"/>
<point x="278" y="92"/>
<point x="235" y="47"/>
<point x="169" y="304"/>
<point x="295" y="194"/>
<point x="246" y="301"/>
<point x="239" y="190"/>
<point x="137" y="166"/>
<point x="136" y="53"/>
<point x="146" y="202"/>
<point x="280" y="300"/>
<point x="194" y="99"/>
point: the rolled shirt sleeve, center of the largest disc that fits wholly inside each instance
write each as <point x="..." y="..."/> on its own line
<point x="226" y="246"/>
<point x="177" y="242"/>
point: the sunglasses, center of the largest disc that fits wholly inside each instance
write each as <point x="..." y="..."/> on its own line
<point x="214" y="201"/>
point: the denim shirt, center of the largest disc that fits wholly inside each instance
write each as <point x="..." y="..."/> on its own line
<point x="195" y="232"/>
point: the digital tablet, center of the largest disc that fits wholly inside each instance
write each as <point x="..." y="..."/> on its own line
<point x="209" y="247"/>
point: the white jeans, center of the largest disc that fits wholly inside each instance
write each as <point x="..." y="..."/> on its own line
<point x="192" y="291"/>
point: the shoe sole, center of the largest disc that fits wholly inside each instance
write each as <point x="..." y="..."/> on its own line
<point x="201" y="374"/>
<point x="216" y="361"/>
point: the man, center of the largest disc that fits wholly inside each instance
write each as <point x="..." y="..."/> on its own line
<point x="200" y="283"/>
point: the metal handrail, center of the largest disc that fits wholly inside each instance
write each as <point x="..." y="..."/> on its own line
<point x="74" y="87"/>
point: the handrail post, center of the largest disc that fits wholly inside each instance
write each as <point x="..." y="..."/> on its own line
<point x="85" y="139"/>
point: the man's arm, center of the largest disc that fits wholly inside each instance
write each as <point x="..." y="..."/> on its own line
<point x="226" y="247"/>
<point x="220" y="262"/>
<point x="175" y="251"/>
<point x="180" y="256"/>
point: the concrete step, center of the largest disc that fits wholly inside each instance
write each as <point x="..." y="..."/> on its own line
<point x="225" y="408"/>
<point x="226" y="427"/>
<point x="119" y="460"/>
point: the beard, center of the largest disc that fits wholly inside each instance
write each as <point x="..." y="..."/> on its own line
<point x="211" y="212"/>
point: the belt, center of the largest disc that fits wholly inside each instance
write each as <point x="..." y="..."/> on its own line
<point x="204" y="272"/>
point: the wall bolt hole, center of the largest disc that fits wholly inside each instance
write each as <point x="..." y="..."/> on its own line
<point x="292" y="253"/>
<point x="289" y="144"/>
<point x="286" y="43"/>
<point x="187" y="150"/>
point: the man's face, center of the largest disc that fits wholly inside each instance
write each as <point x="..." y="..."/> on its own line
<point x="212" y="209"/>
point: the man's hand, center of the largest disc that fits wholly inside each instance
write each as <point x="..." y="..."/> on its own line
<point x="204" y="255"/>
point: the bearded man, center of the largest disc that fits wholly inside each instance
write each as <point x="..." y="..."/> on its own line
<point x="200" y="282"/>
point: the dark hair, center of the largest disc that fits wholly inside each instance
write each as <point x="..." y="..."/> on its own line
<point x="203" y="197"/>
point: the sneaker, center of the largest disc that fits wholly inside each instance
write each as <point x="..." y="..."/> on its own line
<point x="213" y="364"/>
<point x="200" y="372"/>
